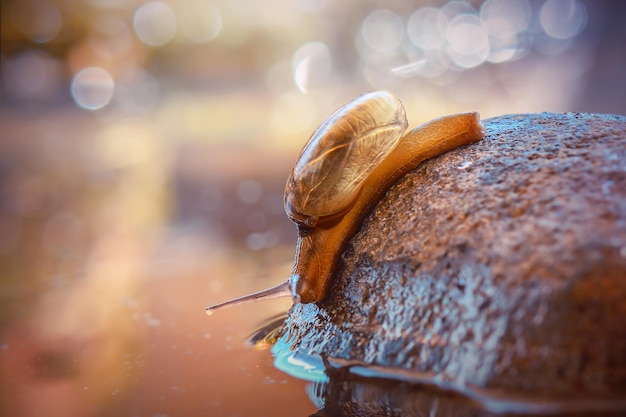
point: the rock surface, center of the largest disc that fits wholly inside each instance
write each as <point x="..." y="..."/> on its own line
<point x="500" y="265"/>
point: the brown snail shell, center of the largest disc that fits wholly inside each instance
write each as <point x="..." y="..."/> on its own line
<point x="340" y="155"/>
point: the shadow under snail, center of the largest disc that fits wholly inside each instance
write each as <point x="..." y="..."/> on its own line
<point x="345" y="168"/>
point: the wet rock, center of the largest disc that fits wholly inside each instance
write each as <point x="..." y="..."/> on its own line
<point x="500" y="266"/>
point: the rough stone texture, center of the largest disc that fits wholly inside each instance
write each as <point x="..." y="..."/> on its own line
<point x="498" y="265"/>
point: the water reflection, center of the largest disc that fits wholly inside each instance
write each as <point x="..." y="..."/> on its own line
<point x="346" y="388"/>
<point x="351" y="395"/>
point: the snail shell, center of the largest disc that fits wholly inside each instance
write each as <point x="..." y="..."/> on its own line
<point x="345" y="168"/>
<point x="340" y="155"/>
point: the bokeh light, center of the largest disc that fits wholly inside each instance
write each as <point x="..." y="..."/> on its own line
<point x="382" y="30"/>
<point x="505" y="17"/>
<point x="41" y="22"/>
<point x="249" y="191"/>
<point x="92" y="88"/>
<point x="199" y="21"/>
<point x="298" y="45"/>
<point x="312" y="65"/>
<point x="155" y="23"/>
<point x="311" y="6"/>
<point x="32" y="75"/>
<point x="468" y="42"/>
<point x="562" y="19"/>
<point x="426" y="28"/>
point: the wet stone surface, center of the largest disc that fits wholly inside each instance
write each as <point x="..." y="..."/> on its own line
<point x="498" y="265"/>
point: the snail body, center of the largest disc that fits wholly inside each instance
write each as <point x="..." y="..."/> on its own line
<point x="345" y="168"/>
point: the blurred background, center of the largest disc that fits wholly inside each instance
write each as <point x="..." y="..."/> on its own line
<point x="144" y="148"/>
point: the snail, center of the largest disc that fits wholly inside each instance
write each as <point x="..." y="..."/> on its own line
<point x="344" y="169"/>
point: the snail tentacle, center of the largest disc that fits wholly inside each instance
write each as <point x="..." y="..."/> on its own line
<point x="283" y="289"/>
